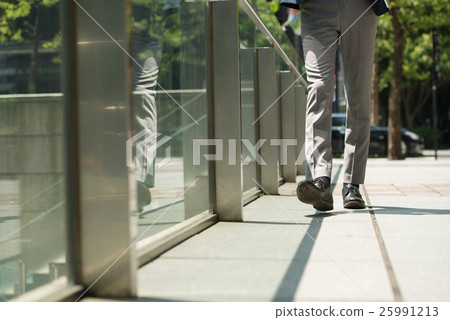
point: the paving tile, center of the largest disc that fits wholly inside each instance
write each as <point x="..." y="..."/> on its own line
<point x="415" y="226"/>
<point x="418" y="249"/>
<point x="423" y="280"/>
<point x="243" y="241"/>
<point x="271" y="242"/>
<point x="211" y="279"/>
<point x="350" y="281"/>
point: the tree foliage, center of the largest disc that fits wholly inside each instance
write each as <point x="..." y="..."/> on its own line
<point x="417" y="20"/>
<point x="13" y="12"/>
<point x="10" y="12"/>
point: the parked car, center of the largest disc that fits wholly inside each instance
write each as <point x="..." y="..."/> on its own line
<point x="412" y="143"/>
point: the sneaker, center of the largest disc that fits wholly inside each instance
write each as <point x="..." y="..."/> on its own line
<point x="316" y="192"/>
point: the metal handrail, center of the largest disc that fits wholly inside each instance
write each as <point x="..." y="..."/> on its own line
<point x="262" y="27"/>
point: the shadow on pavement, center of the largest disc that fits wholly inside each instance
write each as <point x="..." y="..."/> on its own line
<point x="293" y="276"/>
<point x="291" y="280"/>
<point x="410" y="211"/>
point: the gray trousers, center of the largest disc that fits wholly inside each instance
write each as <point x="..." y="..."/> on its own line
<point x="323" y="22"/>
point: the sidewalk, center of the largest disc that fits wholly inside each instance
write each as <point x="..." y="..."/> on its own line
<point x="398" y="249"/>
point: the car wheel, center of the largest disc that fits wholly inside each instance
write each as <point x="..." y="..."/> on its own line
<point x="404" y="148"/>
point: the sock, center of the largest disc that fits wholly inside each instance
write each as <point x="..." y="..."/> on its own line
<point x="355" y="185"/>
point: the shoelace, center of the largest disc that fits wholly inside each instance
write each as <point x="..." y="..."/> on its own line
<point x="321" y="183"/>
<point x="352" y="188"/>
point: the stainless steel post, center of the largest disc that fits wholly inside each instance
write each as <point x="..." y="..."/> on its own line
<point x="224" y="96"/>
<point x="267" y="118"/>
<point x="100" y="99"/>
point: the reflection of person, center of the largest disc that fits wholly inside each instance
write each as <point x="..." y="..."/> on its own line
<point x="146" y="121"/>
<point x="148" y="43"/>
<point x="325" y="22"/>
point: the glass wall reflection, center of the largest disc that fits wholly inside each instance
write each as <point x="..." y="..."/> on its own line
<point x="170" y="111"/>
<point x="251" y="38"/>
<point x="32" y="177"/>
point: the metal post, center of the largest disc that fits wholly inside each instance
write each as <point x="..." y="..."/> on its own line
<point x="267" y="118"/>
<point x="22" y="278"/>
<point x="53" y="271"/>
<point x="71" y="127"/>
<point x="225" y="101"/>
<point x="105" y="257"/>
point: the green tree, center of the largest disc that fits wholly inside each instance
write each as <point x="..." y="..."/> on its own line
<point x="404" y="51"/>
<point x="20" y="21"/>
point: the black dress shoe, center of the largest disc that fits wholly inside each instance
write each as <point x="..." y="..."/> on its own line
<point x="352" y="197"/>
<point x="316" y="192"/>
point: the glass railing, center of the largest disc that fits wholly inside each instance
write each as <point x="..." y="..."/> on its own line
<point x="250" y="39"/>
<point x="170" y="102"/>
<point x="171" y="108"/>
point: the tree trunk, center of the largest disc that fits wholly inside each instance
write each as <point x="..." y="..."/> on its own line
<point x="34" y="52"/>
<point x="408" y="104"/>
<point x="374" y="97"/>
<point x="395" y="96"/>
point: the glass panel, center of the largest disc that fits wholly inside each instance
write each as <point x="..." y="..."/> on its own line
<point x="170" y="105"/>
<point x="280" y="173"/>
<point x="266" y="11"/>
<point x="250" y="38"/>
<point x="250" y="35"/>
<point x="248" y="117"/>
<point x="280" y="66"/>
<point x="32" y="176"/>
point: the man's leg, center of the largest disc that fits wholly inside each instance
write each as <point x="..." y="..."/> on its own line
<point x="358" y="47"/>
<point x="320" y="22"/>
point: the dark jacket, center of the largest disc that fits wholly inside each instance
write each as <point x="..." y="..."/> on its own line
<point x="379" y="7"/>
<point x="293" y="4"/>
